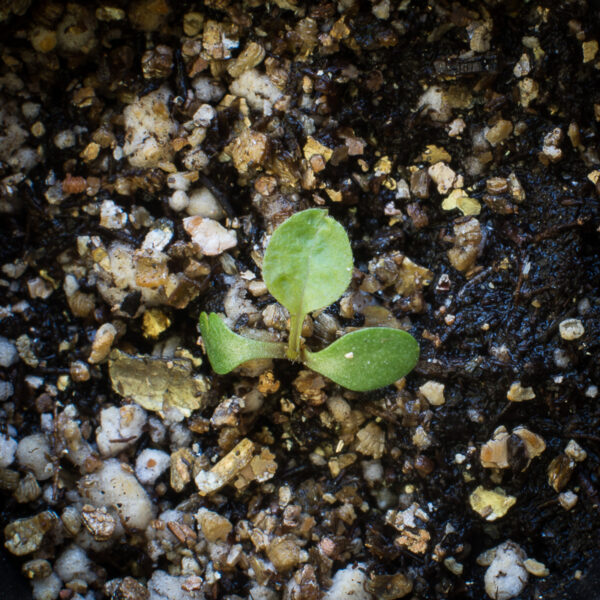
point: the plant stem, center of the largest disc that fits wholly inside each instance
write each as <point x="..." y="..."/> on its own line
<point x="293" y="351"/>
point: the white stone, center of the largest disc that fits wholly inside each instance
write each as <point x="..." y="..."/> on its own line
<point x="561" y="358"/>
<point x="575" y="451"/>
<point x="261" y="592"/>
<point x="480" y="35"/>
<point x="156" y="430"/>
<point x="157" y="239"/>
<point x="112" y="216"/>
<point x="584" y="306"/>
<point x="339" y="408"/>
<point x="8" y="447"/>
<point x="518" y="393"/>
<point x="179" y="200"/>
<point x="47" y="588"/>
<point x="433" y="391"/>
<point x="35" y="382"/>
<point x="124" y="423"/>
<point x="74" y="563"/>
<point x="506" y="576"/>
<point x="6" y="390"/>
<point x="567" y="499"/>
<point x="204" y="115"/>
<point x="571" y="329"/>
<point x="34" y="454"/>
<point x="114" y="485"/>
<point x="372" y="471"/>
<point x="8" y="353"/>
<point x="402" y="190"/>
<point x="207" y="89"/>
<point x="523" y="66"/>
<point x="535" y="567"/>
<point x="65" y="139"/>
<point x="382" y="9"/>
<point x="553" y="153"/>
<point x="421" y="438"/>
<point x="149" y="128"/>
<point x="168" y="587"/>
<point x="211" y="237"/>
<point x="456" y="127"/>
<point x="179" y="181"/>
<point x="202" y="203"/>
<point x="443" y="176"/>
<point x="195" y="159"/>
<point x="12" y="134"/>
<point x="179" y="435"/>
<point x="591" y="391"/>
<point x="260" y="92"/>
<point x="348" y="584"/>
<point x="434" y="103"/>
<point x="150" y="465"/>
<point x="31" y="110"/>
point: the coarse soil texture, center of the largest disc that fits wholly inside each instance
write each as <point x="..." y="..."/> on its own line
<point x="149" y="149"/>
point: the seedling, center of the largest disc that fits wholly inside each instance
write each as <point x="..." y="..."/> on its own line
<point x="308" y="266"/>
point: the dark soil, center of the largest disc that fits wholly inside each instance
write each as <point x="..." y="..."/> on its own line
<point x="554" y="232"/>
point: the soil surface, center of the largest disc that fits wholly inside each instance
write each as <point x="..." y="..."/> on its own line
<point x="456" y="142"/>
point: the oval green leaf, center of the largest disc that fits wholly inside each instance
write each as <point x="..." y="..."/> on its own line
<point x="366" y="359"/>
<point x="308" y="262"/>
<point x="227" y="350"/>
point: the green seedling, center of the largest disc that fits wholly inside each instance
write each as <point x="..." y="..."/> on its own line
<point x="308" y="266"/>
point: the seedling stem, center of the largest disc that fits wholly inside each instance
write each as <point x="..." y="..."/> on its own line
<point x="293" y="351"/>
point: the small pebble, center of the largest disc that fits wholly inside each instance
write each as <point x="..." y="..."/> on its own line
<point x="179" y="201"/>
<point x="499" y="132"/>
<point x="348" y="583"/>
<point x="102" y="343"/>
<point x="34" y="454"/>
<point x="119" y="428"/>
<point x="8" y="353"/>
<point x="561" y="358"/>
<point x="433" y="391"/>
<point x="421" y="438"/>
<point x="47" y="588"/>
<point x="211" y="237"/>
<point x="8" y="447"/>
<point x="6" y="390"/>
<point x="571" y="329"/>
<point x="591" y="391"/>
<point x="73" y="564"/>
<point x="112" y="216"/>
<point x="536" y="568"/>
<point x="150" y="465"/>
<point x="65" y="139"/>
<point x="518" y="393"/>
<point x="202" y="203"/>
<point x="114" y="485"/>
<point x="567" y="499"/>
<point x="204" y="115"/>
<point x="575" y="451"/>
<point x="506" y="576"/>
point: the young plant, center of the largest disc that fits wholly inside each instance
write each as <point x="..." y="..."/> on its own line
<point x="307" y="266"/>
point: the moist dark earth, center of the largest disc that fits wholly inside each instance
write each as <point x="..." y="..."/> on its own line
<point x="354" y="77"/>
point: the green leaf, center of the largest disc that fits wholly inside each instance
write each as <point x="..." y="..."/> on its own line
<point x="227" y="350"/>
<point x="366" y="359"/>
<point x="308" y="262"/>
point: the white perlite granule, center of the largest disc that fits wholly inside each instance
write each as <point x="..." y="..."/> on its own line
<point x="506" y="576"/>
<point x="348" y="584"/>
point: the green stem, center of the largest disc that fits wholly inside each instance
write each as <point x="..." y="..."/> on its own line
<point x="293" y="351"/>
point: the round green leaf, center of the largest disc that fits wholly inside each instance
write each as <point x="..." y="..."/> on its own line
<point x="227" y="350"/>
<point x="366" y="359"/>
<point x="308" y="262"/>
